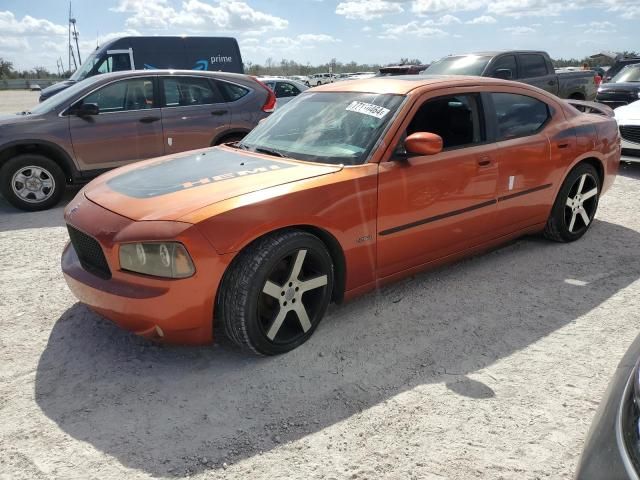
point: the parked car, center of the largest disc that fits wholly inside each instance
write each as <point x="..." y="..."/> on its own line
<point x="618" y="65"/>
<point x="351" y="186"/>
<point x="622" y="89"/>
<point x="284" y="88"/>
<point x="628" y="118"/>
<point x="612" y="447"/>
<point x="527" y="66"/>
<point x="144" y="53"/>
<point x="392" y="70"/>
<point x="302" y="79"/>
<point x="320" y="79"/>
<point x="109" y="120"/>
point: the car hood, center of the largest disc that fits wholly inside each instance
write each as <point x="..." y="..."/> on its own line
<point x="168" y="188"/>
<point x="628" y="112"/>
<point x="626" y="86"/>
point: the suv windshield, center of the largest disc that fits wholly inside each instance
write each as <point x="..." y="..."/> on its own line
<point x="458" y="65"/>
<point x="331" y="127"/>
<point x="630" y="73"/>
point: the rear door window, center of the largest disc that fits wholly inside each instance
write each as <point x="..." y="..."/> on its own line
<point x="519" y="115"/>
<point x="532" y="65"/>
<point x="124" y="95"/>
<point x="286" y="89"/>
<point x="189" y="91"/>
<point x="231" y="91"/>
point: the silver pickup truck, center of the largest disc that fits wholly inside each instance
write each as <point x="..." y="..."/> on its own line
<point x="527" y="66"/>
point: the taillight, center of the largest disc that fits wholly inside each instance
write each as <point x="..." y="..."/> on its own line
<point x="598" y="80"/>
<point x="270" y="105"/>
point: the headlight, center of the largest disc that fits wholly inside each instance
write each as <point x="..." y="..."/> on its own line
<point x="160" y="259"/>
<point x="638" y="93"/>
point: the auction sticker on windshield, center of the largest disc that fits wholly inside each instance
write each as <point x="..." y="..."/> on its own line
<point x="367" y="109"/>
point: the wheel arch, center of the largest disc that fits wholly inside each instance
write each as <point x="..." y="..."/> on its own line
<point x="234" y="132"/>
<point x="597" y="164"/>
<point x="330" y="242"/>
<point x="40" y="147"/>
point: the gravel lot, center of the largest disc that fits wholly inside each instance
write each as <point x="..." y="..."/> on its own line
<point x="489" y="368"/>
<point x="12" y="101"/>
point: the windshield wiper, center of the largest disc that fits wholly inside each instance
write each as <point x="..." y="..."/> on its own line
<point x="270" y="151"/>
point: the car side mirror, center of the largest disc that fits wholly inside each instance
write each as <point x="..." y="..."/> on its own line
<point x="87" y="109"/>
<point x="503" y="73"/>
<point x="423" y="143"/>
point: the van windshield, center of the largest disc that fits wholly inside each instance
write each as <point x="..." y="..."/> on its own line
<point x="85" y="68"/>
<point x="327" y="127"/>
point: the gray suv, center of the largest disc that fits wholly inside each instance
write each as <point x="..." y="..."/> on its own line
<point x="109" y="120"/>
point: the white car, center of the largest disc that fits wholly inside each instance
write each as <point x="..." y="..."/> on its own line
<point x="284" y="88"/>
<point x="628" y="117"/>
<point x="321" y="78"/>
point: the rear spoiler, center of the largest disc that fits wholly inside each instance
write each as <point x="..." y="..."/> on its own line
<point x="591" y="107"/>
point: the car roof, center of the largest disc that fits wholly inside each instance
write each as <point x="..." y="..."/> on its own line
<point x="403" y="84"/>
<point x="146" y="73"/>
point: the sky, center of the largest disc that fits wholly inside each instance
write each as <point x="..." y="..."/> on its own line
<point x="34" y="32"/>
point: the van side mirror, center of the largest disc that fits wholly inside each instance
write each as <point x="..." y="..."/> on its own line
<point x="86" y="109"/>
<point x="423" y="143"/>
<point x="503" y="73"/>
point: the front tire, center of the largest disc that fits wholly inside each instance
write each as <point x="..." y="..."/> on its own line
<point x="276" y="292"/>
<point x="576" y="205"/>
<point x="32" y="182"/>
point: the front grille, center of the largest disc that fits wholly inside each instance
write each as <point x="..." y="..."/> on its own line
<point x="629" y="152"/>
<point x="613" y="104"/>
<point x="630" y="132"/>
<point x="89" y="253"/>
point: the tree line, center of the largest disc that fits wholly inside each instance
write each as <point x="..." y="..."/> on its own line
<point x="291" y="67"/>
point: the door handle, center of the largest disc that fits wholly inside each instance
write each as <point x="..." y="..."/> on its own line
<point x="563" y="145"/>
<point x="484" y="162"/>
<point x="219" y="112"/>
<point x="149" y="119"/>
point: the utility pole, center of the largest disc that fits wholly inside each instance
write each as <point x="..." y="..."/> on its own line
<point x="75" y="36"/>
<point x="69" y="41"/>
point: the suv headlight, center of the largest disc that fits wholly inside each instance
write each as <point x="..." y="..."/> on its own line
<point x="160" y="259"/>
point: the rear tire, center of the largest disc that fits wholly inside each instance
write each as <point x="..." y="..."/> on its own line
<point x="276" y="292"/>
<point x="575" y="206"/>
<point x="32" y="182"/>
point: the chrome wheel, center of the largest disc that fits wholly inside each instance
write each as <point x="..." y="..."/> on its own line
<point x="33" y="184"/>
<point x="293" y="297"/>
<point x="581" y="203"/>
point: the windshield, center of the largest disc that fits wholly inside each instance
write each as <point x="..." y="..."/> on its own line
<point x="458" y="65"/>
<point x="85" y="68"/>
<point x="63" y="97"/>
<point x="628" y="74"/>
<point x="331" y="127"/>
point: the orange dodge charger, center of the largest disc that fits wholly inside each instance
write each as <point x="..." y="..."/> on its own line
<point x="349" y="186"/>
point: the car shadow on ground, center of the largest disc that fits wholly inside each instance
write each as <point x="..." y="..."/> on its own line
<point x="12" y="218"/>
<point x="172" y="411"/>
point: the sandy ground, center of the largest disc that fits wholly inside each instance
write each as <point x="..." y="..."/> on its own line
<point x="489" y="368"/>
<point x="12" y="101"/>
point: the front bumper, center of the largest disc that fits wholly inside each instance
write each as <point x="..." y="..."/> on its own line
<point x="630" y="151"/>
<point x="177" y="311"/>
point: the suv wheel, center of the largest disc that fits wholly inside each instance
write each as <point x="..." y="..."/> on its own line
<point x="32" y="182"/>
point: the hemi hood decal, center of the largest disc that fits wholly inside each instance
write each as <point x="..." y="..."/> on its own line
<point x="186" y="172"/>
